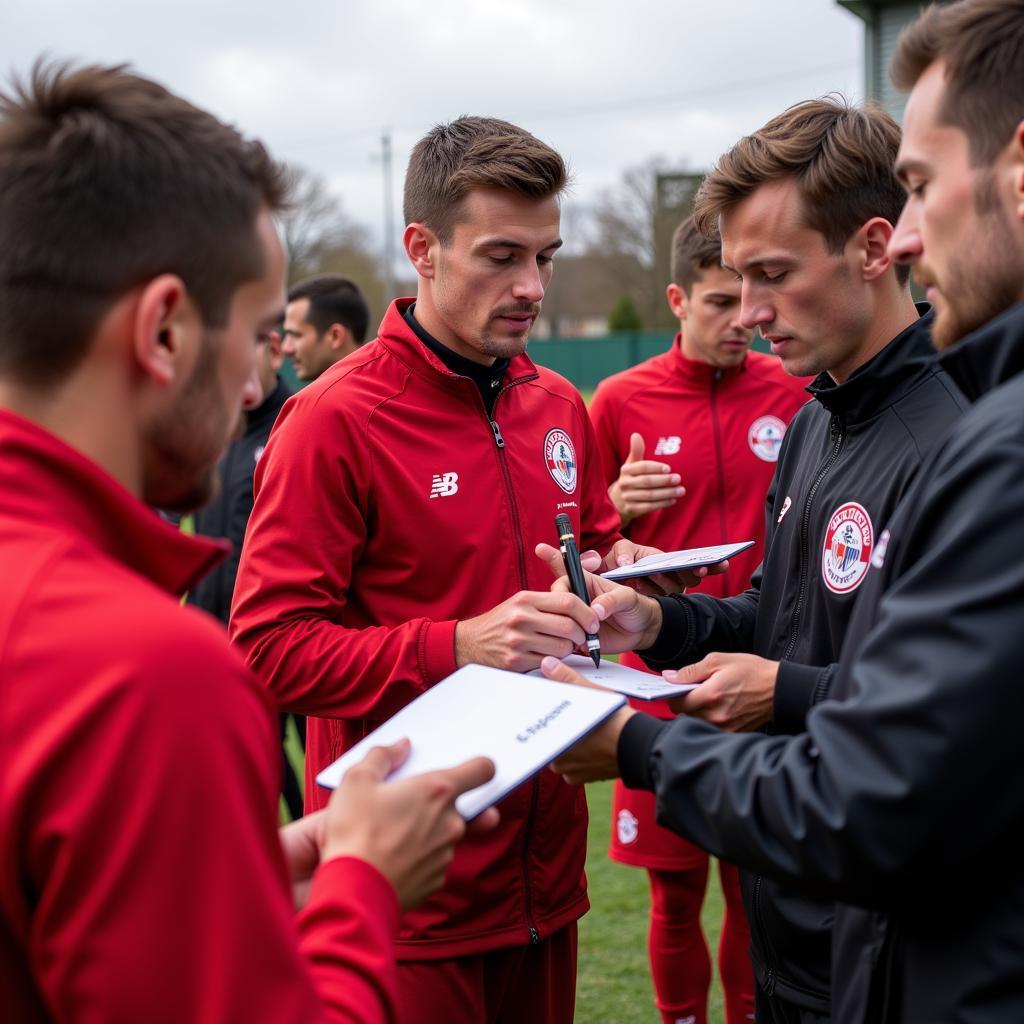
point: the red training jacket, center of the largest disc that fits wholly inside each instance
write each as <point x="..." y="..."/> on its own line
<point x="141" y="875"/>
<point x="720" y="430"/>
<point x="388" y="507"/>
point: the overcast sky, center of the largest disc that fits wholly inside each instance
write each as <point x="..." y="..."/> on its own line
<point x="609" y="84"/>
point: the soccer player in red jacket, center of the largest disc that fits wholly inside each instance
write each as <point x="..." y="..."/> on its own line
<point x="398" y="506"/>
<point x="139" y="268"/>
<point x="689" y="441"/>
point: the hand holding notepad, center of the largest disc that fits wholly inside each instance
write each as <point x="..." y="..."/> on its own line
<point x="521" y="723"/>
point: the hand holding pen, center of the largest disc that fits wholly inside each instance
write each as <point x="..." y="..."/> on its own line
<point x="574" y="569"/>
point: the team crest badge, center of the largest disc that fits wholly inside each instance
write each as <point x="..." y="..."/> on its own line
<point x="628" y="827"/>
<point x="560" y="458"/>
<point x="846" y="554"/>
<point x="765" y="437"/>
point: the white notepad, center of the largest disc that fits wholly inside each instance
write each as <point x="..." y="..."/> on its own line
<point x="674" y="561"/>
<point x="521" y="723"/>
<point x="623" y="679"/>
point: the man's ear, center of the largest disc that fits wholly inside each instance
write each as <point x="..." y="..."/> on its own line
<point x="872" y="242"/>
<point x="163" y="320"/>
<point x="677" y="301"/>
<point x="421" y="245"/>
<point x="1017" y="156"/>
<point x="339" y="337"/>
<point x="275" y="352"/>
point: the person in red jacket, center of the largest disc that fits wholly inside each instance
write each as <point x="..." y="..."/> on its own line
<point x="398" y="505"/>
<point x="712" y="414"/>
<point x="125" y="895"/>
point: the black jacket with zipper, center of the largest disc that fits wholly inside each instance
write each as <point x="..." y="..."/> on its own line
<point x="906" y="793"/>
<point x="847" y="457"/>
<point x="228" y="514"/>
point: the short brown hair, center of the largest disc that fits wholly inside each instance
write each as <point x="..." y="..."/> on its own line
<point x="842" y="158"/>
<point x="692" y="253"/>
<point x="106" y="181"/>
<point x="981" y="44"/>
<point x="476" y="152"/>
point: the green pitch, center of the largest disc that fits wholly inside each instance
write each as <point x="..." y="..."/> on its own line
<point x="614" y="984"/>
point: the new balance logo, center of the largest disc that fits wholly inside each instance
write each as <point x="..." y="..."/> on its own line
<point x="668" y="446"/>
<point x="444" y="485"/>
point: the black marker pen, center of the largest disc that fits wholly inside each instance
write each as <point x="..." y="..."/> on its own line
<point x="574" y="567"/>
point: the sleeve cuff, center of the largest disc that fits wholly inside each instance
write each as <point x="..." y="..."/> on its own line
<point x="795" y="687"/>
<point x="346" y="876"/>
<point x="636" y="741"/>
<point x="437" y="651"/>
<point x="668" y="651"/>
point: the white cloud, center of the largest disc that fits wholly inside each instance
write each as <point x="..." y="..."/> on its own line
<point x="607" y="83"/>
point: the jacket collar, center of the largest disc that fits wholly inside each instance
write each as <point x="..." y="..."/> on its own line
<point x="43" y="480"/>
<point x="696" y="371"/>
<point x="266" y="412"/>
<point x="988" y="356"/>
<point x="882" y="379"/>
<point x="400" y="339"/>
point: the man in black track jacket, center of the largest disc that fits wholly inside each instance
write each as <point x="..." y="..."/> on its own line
<point x="846" y="461"/>
<point x="819" y="284"/>
<point x="905" y="795"/>
<point x="228" y="515"/>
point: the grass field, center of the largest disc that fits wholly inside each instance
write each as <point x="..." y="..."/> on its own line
<point x="613" y="985"/>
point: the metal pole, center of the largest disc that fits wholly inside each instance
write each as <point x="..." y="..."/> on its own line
<point x="389" y="218"/>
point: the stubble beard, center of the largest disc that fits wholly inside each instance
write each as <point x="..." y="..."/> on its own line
<point x="499" y="348"/>
<point x="506" y="348"/>
<point x="982" y="292"/>
<point x="985" y="280"/>
<point x="184" y="444"/>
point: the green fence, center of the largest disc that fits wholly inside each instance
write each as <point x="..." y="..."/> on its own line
<point x="584" y="361"/>
<point x="587" y="361"/>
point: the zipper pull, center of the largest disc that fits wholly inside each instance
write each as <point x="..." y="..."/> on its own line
<point x="534" y="936"/>
<point x="498" y="439"/>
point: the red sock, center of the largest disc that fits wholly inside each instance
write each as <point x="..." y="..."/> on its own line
<point x="734" y="951"/>
<point x="680" y="963"/>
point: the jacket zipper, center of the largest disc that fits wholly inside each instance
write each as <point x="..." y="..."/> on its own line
<point x="527" y="834"/>
<point x="716" y="377"/>
<point x="769" y="953"/>
<point x="838" y="436"/>
<point x="499" y="442"/>
<point x="772" y="973"/>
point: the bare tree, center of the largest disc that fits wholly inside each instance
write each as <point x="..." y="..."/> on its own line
<point x="633" y="225"/>
<point x="323" y="239"/>
<point x="315" y="223"/>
